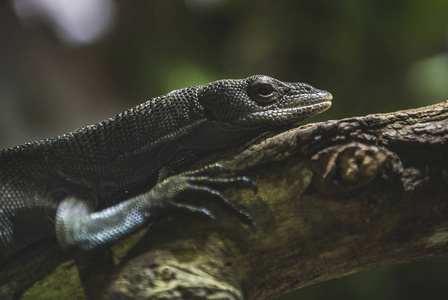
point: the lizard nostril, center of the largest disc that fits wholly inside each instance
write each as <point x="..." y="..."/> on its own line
<point x="308" y="88"/>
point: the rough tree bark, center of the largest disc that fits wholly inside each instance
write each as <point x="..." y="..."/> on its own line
<point x="333" y="198"/>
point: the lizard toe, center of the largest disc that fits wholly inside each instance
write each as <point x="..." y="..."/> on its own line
<point x="210" y="193"/>
<point x="194" y="210"/>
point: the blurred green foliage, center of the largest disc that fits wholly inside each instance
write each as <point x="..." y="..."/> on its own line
<point x="364" y="52"/>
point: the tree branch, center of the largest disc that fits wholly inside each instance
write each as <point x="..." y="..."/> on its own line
<point x="334" y="198"/>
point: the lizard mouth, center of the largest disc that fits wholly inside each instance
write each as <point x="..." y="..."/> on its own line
<point x="288" y="115"/>
<point x="324" y="96"/>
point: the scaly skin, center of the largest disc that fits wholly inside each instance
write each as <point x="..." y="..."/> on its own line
<point x="97" y="184"/>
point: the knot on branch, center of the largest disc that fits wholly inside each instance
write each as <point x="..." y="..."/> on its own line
<point x="348" y="167"/>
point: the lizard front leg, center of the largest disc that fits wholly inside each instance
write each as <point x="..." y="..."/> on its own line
<point x="79" y="226"/>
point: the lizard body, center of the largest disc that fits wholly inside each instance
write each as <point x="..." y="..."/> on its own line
<point x="97" y="184"/>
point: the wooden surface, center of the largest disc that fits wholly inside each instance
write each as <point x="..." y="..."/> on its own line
<point x="334" y="198"/>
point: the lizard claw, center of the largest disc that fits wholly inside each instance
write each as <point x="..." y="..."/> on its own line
<point x="180" y="186"/>
<point x="216" y="195"/>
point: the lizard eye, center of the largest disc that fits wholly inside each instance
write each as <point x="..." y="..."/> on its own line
<point x="262" y="91"/>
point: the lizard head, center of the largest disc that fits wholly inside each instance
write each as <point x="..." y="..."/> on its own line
<point x="261" y="101"/>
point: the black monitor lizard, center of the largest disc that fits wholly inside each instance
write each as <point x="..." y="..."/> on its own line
<point x="95" y="185"/>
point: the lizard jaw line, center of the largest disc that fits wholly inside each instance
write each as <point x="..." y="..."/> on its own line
<point x="290" y="115"/>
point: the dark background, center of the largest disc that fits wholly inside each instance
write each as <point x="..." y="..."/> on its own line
<point x="65" y="64"/>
